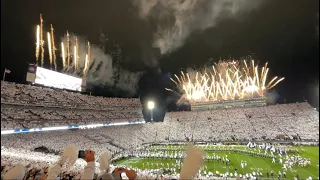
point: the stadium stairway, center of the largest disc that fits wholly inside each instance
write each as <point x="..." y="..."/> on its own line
<point x="143" y="135"/>
<point x="118" y="146"/>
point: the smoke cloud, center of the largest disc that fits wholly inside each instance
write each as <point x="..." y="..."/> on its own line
<point x="272" y="97"/>
<point x="177" y="19"/>
<point x="101" y="70"/>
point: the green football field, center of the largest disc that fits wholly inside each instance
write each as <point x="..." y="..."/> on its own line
<point x="254" y="163"/>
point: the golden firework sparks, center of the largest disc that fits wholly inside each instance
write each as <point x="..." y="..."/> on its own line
<point x="87" y="62"/>
<point x="229" y="80"/>
<point x="68" y="48"/>
<point x="75" y="56"/>
<point x="89" y="52"/>
<point x="85" y="66"/>
<point x="37" y="43"/>
<point x="53" y="48"/>
<point x="41" y="40"/>
<point x="49" y="49"/>
<point x="63" y="56"/>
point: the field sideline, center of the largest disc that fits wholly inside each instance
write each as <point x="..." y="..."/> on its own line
<point x="254" y="163"/>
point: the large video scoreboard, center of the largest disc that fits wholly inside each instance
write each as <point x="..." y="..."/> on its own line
<point x="49" y="78"/>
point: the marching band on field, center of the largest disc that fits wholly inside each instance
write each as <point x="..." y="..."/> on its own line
<point x="177" y="153"/>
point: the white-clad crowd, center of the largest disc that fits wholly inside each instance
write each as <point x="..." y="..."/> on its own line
<point x="178" y="126"/>
<point x="26" y="106"/>
<point x="12" y="93"/>
<point x="258" y="123"/>
<point x="18" y="117"/>
<point x="217" y="125"/>
<point x="267" y="122"/>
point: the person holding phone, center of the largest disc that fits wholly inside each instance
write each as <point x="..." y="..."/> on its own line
<point x="88" y="171"/>
<point x="90" y="168"/>
<point x="118" y="172"/>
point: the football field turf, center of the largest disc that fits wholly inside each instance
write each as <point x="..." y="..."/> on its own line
<point x="254" y="163"/>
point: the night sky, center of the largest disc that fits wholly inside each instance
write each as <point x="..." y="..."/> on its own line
<point x="282" y="32"/>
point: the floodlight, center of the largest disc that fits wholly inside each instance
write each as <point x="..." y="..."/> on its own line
<point x="150" y="105"/>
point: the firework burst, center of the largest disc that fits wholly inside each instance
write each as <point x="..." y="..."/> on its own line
<point x="226" y="80"/>
<point x="87" y="61"/>
<point x="68" y="48"/>
<point x="41" y="40"/>
<point x="76" y="55"/>
<point x="53" y="47"/>
<point x="37" y="43"/>
<point x="63" y="56"/>
<point x="49" y="49"/>
<point x="69" y="52"/>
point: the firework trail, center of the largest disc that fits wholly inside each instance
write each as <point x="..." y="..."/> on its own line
<point x="87" y="62"/>
<point x="226" y="80"/>
<point x="68" y="48"/>
<point x="37" y="43"/>
<point x="76" y="62"/>
<point x="49" y="49"/>
<point x="53" y="48"/>
<point x="41" y="40"/>
<point x="75" y="57"/>
<point x="85" y="66"/>
<point x="89" y="52"/>
<point x="63" y="56"/>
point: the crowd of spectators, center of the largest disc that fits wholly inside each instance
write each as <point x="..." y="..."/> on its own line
<point x="217" y="125"/>
<point x="57" y="108"/>
<point x="267" y="122"/>
<point x="19" y="117"/>
<point x="179" y="126"/>
<point x="21" y="94"/>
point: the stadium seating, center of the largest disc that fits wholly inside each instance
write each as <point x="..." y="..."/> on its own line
<point x="266" y="122"/>
<point x="25" y="106"/>
<point x="239" y="124"/>
<point x="19" y="117"/>
<point x="20" y="94"/>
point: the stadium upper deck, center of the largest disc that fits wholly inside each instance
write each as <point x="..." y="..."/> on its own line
<point x="20" y="94"/>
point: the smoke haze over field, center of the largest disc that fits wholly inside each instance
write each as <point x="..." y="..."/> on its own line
<point x="102" y="71"/>
<point x="177" y="19"/>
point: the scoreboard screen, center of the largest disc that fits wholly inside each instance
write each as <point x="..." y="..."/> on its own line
<point x="57" y="80"/>
<point x="49" y="78"/>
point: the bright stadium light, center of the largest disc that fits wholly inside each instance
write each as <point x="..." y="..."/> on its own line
<point x="151" y="106"/>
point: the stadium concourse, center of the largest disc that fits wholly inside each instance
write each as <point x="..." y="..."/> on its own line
<point x="28" y="107"/>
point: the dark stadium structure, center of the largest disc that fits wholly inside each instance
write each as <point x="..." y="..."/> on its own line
<point x="152" y="88"/>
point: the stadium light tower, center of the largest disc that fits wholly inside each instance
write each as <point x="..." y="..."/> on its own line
<point x="151" y="106"/>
